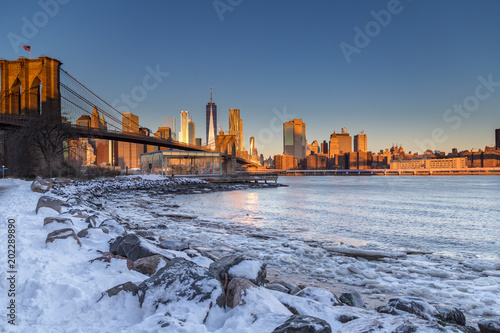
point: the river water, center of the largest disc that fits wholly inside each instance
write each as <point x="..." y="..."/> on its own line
<point x="457" y="216"/>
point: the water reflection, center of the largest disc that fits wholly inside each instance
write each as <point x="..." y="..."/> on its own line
<point x="442" y="214"/>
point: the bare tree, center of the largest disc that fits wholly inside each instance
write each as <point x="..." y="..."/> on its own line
<point x="46" y="137"/>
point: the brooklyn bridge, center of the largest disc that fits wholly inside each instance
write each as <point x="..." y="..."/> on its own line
<point x="31" y="88"/>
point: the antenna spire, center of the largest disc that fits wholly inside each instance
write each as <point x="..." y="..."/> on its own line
<point x="210" y="93"/>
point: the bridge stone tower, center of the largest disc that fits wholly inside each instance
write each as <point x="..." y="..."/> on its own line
<point x="30" y="87"/>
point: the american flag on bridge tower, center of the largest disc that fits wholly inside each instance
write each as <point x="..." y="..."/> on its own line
<point x="27" y="47"/>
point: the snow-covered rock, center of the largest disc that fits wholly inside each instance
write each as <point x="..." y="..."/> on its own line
<point x="50" y="202"/>
<point x="352" y="298"/>
<point x="233" y="266"/>
<point x="297" y="323"/>
<point x="321" y="295"/>
<point x="132" y="247"/>
<point x="62" y="234"/>
<point x="181" y="290"/>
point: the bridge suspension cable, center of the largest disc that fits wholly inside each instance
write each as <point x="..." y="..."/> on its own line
<point x="76" y="97"/>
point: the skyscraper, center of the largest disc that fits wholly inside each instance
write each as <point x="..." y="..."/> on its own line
<point x="324" y="147"/>
<point x="497" y="138"/>
<point x="294" y="138"/>
<point x="236" y="127"/>
<point x="170" y="123"/>
<point x="252" y="145"/>
<point x="340" y="143"/>
<point x="191" y="133"/>
<point x="183" y="133"/>
<point x="211" y="124"/>
<point x="128" y="153"/>
<point x="360" y="142"/>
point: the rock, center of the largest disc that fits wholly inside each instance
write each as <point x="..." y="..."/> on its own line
<point x="397" y="306"/>
<point x="92" y="221"/>
<point x="41" y="185"/>
<point x="367" y="254"/>
<point x="406" y="328"/>
<point x="363" y="325"/>
<point x="303" y="324"/>
<point x="131" y="246"/>
<point x="83" y="233"/>
<point x="278" y="287"/>
<point x="62" y="234"/>
<point x="352" y="298"/>
<point x="233" y="266"/>
<point x="489" y="326"/>
<point x="127" y="287"/>
<point x="236" y="289"/>
<point x="62" y="220"/>
<point x="321" y="295"/>
<point x="174" y="245"/>
<point x="149" y="265"/>
<point x="49" y="202"/>
<point x="450" y="315"/>
<point x="442" y="314"/>
<point x="182" y="289"/>
<point x="344" y="318"/>
<point x="418" y="307"/>
<point x="107" y="256"/>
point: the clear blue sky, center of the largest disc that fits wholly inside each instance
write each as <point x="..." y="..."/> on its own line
<point x="286" y="56"/>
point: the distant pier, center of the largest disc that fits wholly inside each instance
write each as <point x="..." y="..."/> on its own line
<point x="244" y="178"/>
<point x="394" y="172"/>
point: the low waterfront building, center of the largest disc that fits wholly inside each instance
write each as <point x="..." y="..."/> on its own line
<point x="443" y="163"/>
<point x="168" y="162"/>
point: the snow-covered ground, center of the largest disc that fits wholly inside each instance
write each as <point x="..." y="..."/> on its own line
<point x="58" y="286"/>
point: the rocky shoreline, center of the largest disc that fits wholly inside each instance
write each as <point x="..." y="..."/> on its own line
<point x="188" y="284"/>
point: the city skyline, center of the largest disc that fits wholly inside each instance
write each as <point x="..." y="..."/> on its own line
<point x="424" y="76"/>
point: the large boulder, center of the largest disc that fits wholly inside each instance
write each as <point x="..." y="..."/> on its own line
<point x="321" y="295"/>
<point x="132" y="247"/>
<point x="149" y="265"/>
<point x="304" y="324"/>
<point x="182" y="289"/>
<point x="236" y="289"/>
<point x="232" y="266"/>
<point x="489" y="326"/>
<point x="62" y="234"/>
<point x="352" y="298"/>
<point x="49" y="202"/>
<point x="41" y="185"/>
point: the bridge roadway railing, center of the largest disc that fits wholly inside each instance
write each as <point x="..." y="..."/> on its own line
<point x="9" y="120"/>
